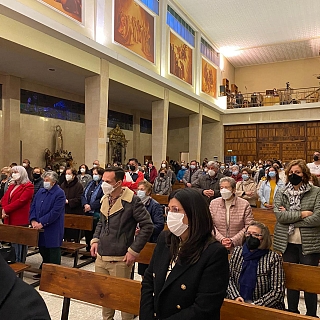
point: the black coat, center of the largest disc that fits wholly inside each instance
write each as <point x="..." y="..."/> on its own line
<point x="73" y="191"/>
<point x="191" y="292"/>
<point x="19" y="300"/>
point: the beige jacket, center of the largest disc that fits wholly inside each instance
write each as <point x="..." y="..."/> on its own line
<point x="247" y="186"/>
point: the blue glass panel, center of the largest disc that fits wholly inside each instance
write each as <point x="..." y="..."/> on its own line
<point x="125" y="121"/>
<point x="42" y="105"/>
<point x="145" y="126"/>
<point x="152" y="4"/>
<point x="178" y="27"/>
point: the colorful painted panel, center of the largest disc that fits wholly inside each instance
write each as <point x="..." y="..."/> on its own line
<point x="72" y="8"/>
<point x="134" y="28"/>
<point x="180" y="59"/>
<point x="209" y="79"/>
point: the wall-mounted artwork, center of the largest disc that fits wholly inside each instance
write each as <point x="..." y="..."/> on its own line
<point x="71" y="8"/>
<point x="180" y="59"/>
<point x="209" y="79"/>
<point x="134" y="28"/>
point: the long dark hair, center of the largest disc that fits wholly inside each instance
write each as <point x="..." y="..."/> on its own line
<point x="200" y="227"/>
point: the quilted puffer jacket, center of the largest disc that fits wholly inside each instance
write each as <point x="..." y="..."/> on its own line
<point x="309" y="226"/>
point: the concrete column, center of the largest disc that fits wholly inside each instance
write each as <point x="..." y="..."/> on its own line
<point x="136" y="136"/>
<point x="96" y="110"/>
<point x="213" y="141"/>
<point x="195" y="133"/>
<point x="160" y="112"/>
<point x="11" y="121"/>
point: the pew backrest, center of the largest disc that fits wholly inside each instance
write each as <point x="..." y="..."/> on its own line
<point x="265" y="216"/>
<point x="77" y="221"/>
<point x="21" y="235"/>
<point x="162" y="199"/>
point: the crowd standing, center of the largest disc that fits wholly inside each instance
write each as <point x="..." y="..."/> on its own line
<point x="206" y="219"/>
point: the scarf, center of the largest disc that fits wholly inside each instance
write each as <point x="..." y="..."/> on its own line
<point x="295" y="199"/>
<point x="248" y="275"/>
<point x="145" y="200"/>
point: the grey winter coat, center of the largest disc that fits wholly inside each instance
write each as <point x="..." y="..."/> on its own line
<point x="309" y="226"/>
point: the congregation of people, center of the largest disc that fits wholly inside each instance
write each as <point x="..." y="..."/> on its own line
<point x="208" y="217"/>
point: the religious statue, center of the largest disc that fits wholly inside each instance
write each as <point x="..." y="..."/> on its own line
<point x="59" y="139"/>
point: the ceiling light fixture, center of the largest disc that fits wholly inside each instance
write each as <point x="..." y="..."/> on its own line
<point x="230" y="51"/>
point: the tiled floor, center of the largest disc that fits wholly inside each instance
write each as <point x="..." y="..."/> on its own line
<point x="81" y="310"/>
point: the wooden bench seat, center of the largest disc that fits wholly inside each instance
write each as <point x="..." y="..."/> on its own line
<point x="21" y="235"/>
<point x="78" y="222"/>
<point x="265" y="216"/>
<point x="162" y="199"/>
<point x="124" y="294"/>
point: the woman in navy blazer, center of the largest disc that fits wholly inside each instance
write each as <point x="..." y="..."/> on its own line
<point x="188" y="274"/>
<point x="47" y="213"/>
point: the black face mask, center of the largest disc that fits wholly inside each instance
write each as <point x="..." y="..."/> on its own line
<point x="132" y="168"/>
<point x="36" y="175"/>
<point x="294" y="179"/>
<point x="252" y="242"/>
<point x="162" y="175"/>
<point x="3" y="176"/>
<point x="315" y="158"/>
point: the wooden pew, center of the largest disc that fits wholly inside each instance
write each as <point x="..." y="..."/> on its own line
<point x="146" y="253"/>
<point x="265" y="216"/>
<point x="162" y="199"/>
<point x="124" y="294"/>
<point x="79" y="222"/>
<point x="178" y="185"/>
<point x="21" y="235"/>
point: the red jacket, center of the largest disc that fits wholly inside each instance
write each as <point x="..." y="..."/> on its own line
<point x="17" y="207"/>
<point x="133" y="185"/>
<point x="153" y="173"/>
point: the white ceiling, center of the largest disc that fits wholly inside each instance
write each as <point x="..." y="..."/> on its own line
<point x="262" y="31"/>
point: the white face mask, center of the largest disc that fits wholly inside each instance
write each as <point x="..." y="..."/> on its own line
<point x="141" y="194"/>
<point x="211" y="173"/>
<point x="225" y="193"/>
<point x="82" y="170"/>
<point x="163" y="165"/>
<point x="25" y="164"/>
<point x="68" y="177"/>
<point x="47" y="185"/>
<point x="15" y="176"/>
<point x="94" y="165"/>
<point x="175" y="224"/>
<point x="107" y="188"/>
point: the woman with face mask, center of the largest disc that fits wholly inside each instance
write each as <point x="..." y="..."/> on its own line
<point x="5" y="180"/>
<point x="170" y="173"/>
<point x="231" y="215"/>
<point x="47" y="214"/>
<point x="156" y="213"/>
<point x="162" y="184"/>
<point x="73" y="190"/>
<point x="37" y="179"/>
<point x="16" y="204"/>
<point x="269" y="187"/>
<point x="91" y="204"/>
<point x="84" y="176"/>
<point x="247" y="188"/>
<point x="256" y="272"/>
<point x="297" y="230"/>
<point x="188" y="273"/>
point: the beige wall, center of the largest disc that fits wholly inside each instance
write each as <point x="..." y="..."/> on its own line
<point x="300" y="74"/>
<point x="37" y="134"/>
<point x="178" y="137"/>
<point x="228" y="71"/>
<point x="212" y="141"/>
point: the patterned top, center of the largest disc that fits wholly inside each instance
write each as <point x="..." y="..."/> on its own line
<point x="270" y="289"/>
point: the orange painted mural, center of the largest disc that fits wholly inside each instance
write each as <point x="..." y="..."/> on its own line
<point x="72" y="8"/>
<point x="209" y="79"/>
<point x="134" y="28"/>
<point x="180" y="59"/>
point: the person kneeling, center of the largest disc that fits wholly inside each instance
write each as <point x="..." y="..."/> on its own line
<point x="256" y="272"/>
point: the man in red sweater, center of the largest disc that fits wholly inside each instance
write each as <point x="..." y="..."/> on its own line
<point x="133" y="175"/>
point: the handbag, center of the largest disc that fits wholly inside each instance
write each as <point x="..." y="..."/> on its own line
<point x="8" y="254"/>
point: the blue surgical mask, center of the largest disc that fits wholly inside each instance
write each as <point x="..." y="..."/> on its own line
<point x="222" y="167"/>
<point x="235" y="173"/>
<point x="141" y="194"/>
<point x="272" y="174"/>
<point x="96" y="177"/>
<point x="245" y="177"/>
<point x="183" y="167"/>
<point x="47" y="185"/>
<point x="192" y="166"/>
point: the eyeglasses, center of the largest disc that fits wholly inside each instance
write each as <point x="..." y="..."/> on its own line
<point x="173" y="209"/>
<point x="255" y="235"/>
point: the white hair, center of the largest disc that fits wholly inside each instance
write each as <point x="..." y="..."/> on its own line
<point x="212" y="164"/>
<point x="53" y="176"/>
<point x="23" y="174"/>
